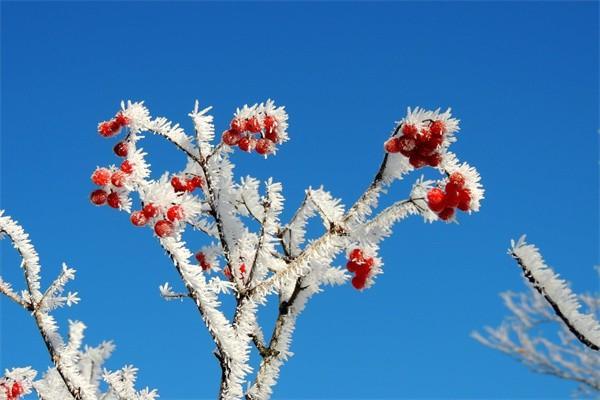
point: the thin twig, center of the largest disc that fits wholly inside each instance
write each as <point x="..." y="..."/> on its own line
<point x="15" y="297"/>
<point x="250" y="212"/>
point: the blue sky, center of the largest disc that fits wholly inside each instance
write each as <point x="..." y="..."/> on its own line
<point x="522" y="77"/>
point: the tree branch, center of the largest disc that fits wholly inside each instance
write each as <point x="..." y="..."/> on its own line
<point x="8" y="292"/>
<point x="75" y="391"/>
<point x="539" y="287"/>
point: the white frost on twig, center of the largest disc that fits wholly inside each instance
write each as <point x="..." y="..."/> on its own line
<point x="75" y="374"/>
<point x="557" y="292"/>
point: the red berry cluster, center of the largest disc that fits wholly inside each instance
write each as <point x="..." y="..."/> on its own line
<point x="204" y="264"/>
<point x="113" y="126"/>
<point x="12" y="392"/>
<point x="455" y="195"/>
<point x="164" y="225"/>
<point x="361" y="266"/>
<point x="241" y="134"/>
<point x="105" y="177"/>
<point x="186" y="184"/>
<point x="164" y="221"/>
<point x="422" y="148"/>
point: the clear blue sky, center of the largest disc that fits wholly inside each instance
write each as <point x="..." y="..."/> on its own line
<point x="523" y="78"/>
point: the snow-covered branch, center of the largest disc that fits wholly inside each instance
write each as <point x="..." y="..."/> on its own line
<point x="74" y="374"/>
<point x="546" y="331"/>
<point x="557" y="293"/>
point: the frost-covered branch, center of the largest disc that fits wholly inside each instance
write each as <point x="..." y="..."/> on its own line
<point x="546" y="331"/>
<point x="121" y="384"/>
<point x="74" y="374"/>
<point x="275" y="258"/>
<point x="557" y="293"/>
<point x="7" y="290"/>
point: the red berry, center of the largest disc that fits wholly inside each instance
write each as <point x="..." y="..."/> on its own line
<point x="446" y="214"/>
<point x="178" y="184"/>
<point x="451" y="197"/>
<point x="231" y="137"/>
<point x="436" y="199"/>
<point x="431" y="140"/>
<point x="236" y="126"/>
<point x="114" y="126"/>
<point x="16" y="390"/>
<point x="150" y="210"/>
<point x="363" y="269"/>
<point x="457" y="179"/>
<point x="356" y="255"/>
<point x="359" y="281"/>
<point x="392" y="145"/>
<point x="175" y="213"/>
<point x="417" y="161"/>
<point x="138" y="218"/>
<point x="120" y="149"/>
<point x="271" y="134"/>
<point x="127" y="167"/>
<point x="193" y="183"/>
<point x="118" y="178"/>
<point x="464" y="199"/>
<point x="101" y="176"/>
<point x="106" y="129"/>
<point x="409" y="130"/>
<point x="113" y="200"/>
<point x="163" y="228"/>
<point x="437" y="127"/>
<point x="367" y="266"/>
<point x="352" y="266"/>
<point x="121" y="119"/>
<point x="243" y="268"/>
<point x="247" y="144"/>
<point x="451" y="186"/>
<point x="269" y="123"/>
<point x="98" y="197"/>
<point x="434" y="160"/>
<point x="189" y="186"/>
<point x="252" y="125"/>
<point x="197" y="181"/>
<point x="452" y="191"/>
<point x="406" y="145"/>
<point x="271" y="129"/>
<point x="264" y="146"/>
